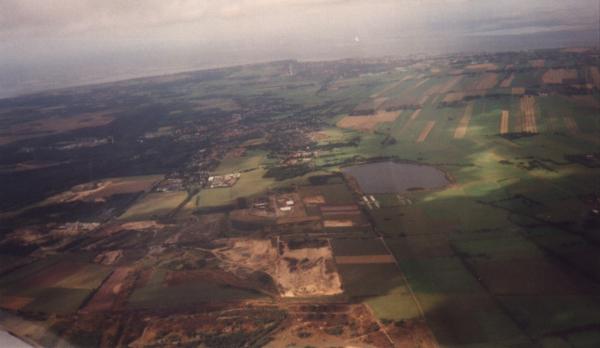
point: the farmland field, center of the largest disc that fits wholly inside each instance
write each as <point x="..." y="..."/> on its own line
<point x="378" y="201"/>
<point x="154" y="205"/>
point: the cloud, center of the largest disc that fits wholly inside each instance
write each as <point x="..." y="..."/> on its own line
<point x="47" y="17"/>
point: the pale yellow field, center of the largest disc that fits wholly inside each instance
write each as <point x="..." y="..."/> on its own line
<point x="528" y="111"/>
<point x="463" y="124"/>
<point x="557" y="76"/>
<point x="484" y="66"/>
<point x="368" y="123"/>
<point x="486" y="82"/>
<point x="518" y="91"/>
<point x="504" y="122"/>
<point x="537" y="63"/>
<point x="338" y="223"/>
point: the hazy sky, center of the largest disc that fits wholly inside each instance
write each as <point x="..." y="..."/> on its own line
<point x="51" y="43"/>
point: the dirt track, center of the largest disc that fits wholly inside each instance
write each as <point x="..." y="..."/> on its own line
<point x="364" y="259"/>
<point x="425" y="132"/>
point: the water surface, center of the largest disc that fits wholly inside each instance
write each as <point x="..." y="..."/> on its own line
<point x="391" y="177"/>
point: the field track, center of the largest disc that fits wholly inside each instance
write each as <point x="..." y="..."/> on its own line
<point x="425" y="132"/>
<point x="410" y="120"/>
<point x="420" y="83"/>
<point x="387" y="89"/>
<point x="447" y="87"/>
<point x="528" y="111"/>
<point x="364" y="259"/>
<point x="571" y="125"/>
<point x="443" y="88"/>
<point x="463" y="124"/>
<point x="504" y="122"/>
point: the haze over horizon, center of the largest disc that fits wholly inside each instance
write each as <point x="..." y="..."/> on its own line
<point x="55" y="43"/>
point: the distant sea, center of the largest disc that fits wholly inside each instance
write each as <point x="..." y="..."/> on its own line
<point x="17" y="79"/>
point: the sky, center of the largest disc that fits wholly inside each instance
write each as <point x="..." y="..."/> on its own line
<point x="54" y="43"/>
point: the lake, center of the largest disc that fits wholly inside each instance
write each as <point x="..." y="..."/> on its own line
<point x="391" y="177"/>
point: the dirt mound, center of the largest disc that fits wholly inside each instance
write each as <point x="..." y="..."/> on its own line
<point x="298" y="272"/>
<point x="108" y="257"/>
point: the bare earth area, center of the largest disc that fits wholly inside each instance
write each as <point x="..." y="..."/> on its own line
<point x="299" y="272"/>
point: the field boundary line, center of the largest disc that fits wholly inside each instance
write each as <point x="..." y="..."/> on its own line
<point x="410" y="120"/>
<point x="410" y="290"/>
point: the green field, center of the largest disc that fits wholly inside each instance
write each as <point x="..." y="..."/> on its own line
<point x="58" y="300"/>
<point x="250" y="183"/>
<point x="507" y="254"/>
<point x="154" y="205"/>
<point x="357" y="247"/>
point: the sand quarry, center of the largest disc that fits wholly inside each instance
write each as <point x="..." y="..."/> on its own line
<point x="298" y="272"/>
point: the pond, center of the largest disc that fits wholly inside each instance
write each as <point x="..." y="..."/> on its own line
<point x="391" y="177"/>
